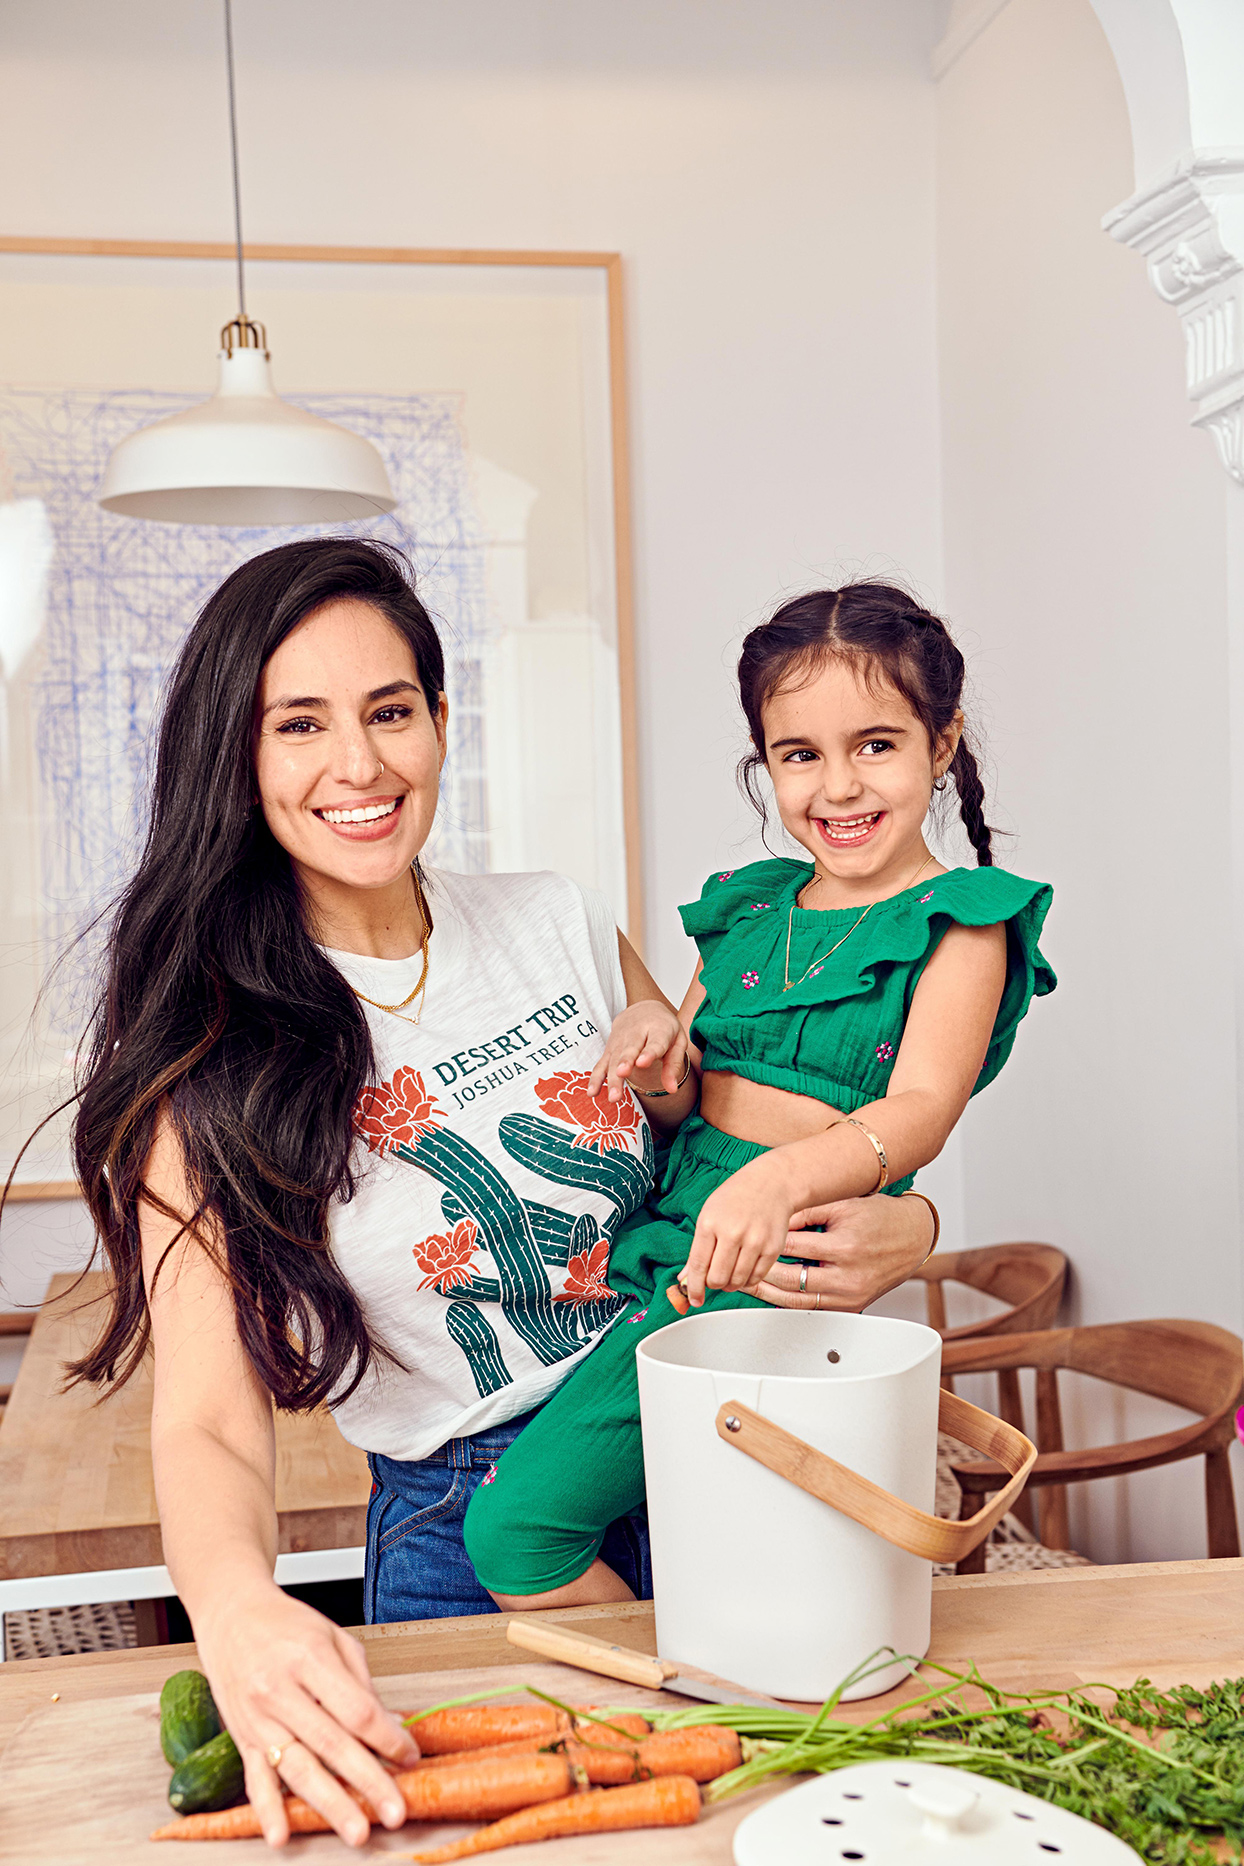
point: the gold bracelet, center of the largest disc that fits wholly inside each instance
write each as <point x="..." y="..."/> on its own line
<point x="651" y="1094"/>
<point x="849" y="1120"/>
<point x="911" y="1193"/>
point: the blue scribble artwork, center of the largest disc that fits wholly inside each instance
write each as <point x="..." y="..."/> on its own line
<point x="123" y="594"/>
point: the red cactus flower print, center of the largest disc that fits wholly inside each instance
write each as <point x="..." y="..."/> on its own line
<point x="605" y="1123"/>
<point x="396" y="1112"/>
<point x="448" y="1260"/>
<point x="585" y="1276"/>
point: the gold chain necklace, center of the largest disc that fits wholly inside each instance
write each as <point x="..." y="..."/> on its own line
<point x="790" y="922"/>
<point x="397" y="1010"/>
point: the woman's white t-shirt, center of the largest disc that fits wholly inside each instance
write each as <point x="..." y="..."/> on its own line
<point x="489" y="1186"/>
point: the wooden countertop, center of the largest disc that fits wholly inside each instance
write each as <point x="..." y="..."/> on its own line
<point x="76" y="1487"/>
<point x="1174" y="1622"/>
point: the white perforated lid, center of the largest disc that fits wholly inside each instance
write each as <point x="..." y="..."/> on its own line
<point x="887" y="1813"/>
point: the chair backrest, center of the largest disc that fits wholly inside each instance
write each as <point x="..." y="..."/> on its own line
<point x="1031" y="1277"/>
<point x="1195" y="1365"/>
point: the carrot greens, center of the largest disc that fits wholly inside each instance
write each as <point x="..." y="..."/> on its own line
<point x="1164" y="1770"/>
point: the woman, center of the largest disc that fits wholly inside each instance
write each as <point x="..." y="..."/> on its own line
<point x="336" y="1140"/>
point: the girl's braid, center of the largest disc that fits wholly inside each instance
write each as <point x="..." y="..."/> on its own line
<point x="967" y="777"/>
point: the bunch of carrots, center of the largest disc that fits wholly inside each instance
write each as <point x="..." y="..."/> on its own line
<point x="532" y="1772"/>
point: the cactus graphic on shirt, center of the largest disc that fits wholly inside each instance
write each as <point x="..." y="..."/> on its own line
<point x="524" y="1239"/>
<point x="478" y="1340"/>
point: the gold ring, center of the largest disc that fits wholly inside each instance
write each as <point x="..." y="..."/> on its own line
<point x="816" y="1299"/>
<point x="274" y="1753"/>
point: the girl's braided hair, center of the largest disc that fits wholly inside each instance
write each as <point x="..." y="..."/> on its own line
<point x="886" y="632"/>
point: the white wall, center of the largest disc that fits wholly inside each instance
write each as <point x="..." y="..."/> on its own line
<point x="1085" y="541"/>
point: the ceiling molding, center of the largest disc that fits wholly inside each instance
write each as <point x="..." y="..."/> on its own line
<point x="951" y="48"/>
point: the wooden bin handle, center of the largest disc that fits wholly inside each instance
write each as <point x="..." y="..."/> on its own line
<point x="931" y="1537"/>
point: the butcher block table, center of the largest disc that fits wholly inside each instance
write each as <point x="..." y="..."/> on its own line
<point x="82" y="1780"/>
<point x="76" y="1488"/>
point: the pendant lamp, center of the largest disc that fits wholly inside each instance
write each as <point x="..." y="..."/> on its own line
<point x="245" y="457"/>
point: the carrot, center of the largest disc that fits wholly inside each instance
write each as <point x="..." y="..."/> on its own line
<point x="703" y="1752"/>
<point x="454" y="1758"/>
<point x="480" y="1726"/>
<point x="670" y="1801"/>
<point x="242" y="1822"/>
<point x="471" y="1792"/>
<point x="633" y="1722"/>
<point x="485" y="1726"/>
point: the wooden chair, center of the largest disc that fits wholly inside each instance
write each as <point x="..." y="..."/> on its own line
<point x="1031" y="1277"/>
<point x="1190" y="1364"/>
<point x="1028" y="1276"/>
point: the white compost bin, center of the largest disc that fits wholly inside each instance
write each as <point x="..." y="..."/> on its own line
<point x="755" y="1580"/>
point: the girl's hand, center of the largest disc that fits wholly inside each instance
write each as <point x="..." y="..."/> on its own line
<point x="642" y="1035"/>
<point x="740" y="1234"/>
<point x="283" y="1676"/>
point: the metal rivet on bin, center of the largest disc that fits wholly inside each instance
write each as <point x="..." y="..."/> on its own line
<point x="732" y="1424"/>
<point x="833" y="1355"/>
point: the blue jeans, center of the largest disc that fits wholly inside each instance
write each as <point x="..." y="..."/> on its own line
<point x="417" y="1566"/>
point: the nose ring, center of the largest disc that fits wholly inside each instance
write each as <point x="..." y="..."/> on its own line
<point x="380" y="773"/>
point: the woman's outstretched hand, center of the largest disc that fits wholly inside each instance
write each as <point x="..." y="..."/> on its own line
<point x="286" y="1678"/>
<point x="641" y="1036"/>
<point x="867" y="1246"/>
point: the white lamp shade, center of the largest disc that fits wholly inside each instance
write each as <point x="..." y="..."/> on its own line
<point x="246" y="458"/>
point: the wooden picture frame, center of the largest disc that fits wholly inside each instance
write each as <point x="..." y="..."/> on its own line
<point x="609" y="267"/>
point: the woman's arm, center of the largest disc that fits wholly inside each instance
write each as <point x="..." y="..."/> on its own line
<point x="742" y="1227"/>
<point x="649" y="1047"/>
<point x="280" y="1672"/>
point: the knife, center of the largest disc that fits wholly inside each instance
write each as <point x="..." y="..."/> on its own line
<point x="633" y="1668"/>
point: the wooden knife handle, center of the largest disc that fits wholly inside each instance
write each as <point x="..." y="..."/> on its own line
<point x="590" y="1655"/>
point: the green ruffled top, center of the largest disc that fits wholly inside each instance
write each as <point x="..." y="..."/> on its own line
<point x="836" y="1036"/>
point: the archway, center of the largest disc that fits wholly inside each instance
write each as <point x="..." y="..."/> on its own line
<point x="1179" y="62"/>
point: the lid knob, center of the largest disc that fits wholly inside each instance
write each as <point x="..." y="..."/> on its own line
<point x="944" y="1806"/>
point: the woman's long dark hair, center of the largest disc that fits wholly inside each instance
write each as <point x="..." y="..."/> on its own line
<point x="884" y="630"/>
<point x="221" y="1015"/>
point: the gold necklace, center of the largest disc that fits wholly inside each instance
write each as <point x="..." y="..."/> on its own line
<point x="396" y="1010"/>
<point x="790" y="922"/>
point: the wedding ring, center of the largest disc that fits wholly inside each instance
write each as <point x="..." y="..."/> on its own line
<point x="803" y="1281"/>
<point x="275" y="1752"/>
<point x="816" y="1299"/>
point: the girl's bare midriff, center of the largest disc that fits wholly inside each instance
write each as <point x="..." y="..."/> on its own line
<point x="756" y="1111"/>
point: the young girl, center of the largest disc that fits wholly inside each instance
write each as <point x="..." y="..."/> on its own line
<point x="843" y="1011"/>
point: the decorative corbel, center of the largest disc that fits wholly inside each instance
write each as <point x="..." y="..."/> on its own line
<point x="1176" y="224"/>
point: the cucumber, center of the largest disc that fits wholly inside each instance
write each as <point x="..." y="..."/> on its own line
<point x="210" y="1777"/>
<point x="188" y="1715"/>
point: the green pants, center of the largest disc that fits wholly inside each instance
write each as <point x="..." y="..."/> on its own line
<point x="579" y="1464"/>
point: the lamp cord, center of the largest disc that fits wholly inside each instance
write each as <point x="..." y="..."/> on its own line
<point x="233" y="143"/>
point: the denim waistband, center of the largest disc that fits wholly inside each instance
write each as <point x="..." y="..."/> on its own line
<point x="461" y="1454"/>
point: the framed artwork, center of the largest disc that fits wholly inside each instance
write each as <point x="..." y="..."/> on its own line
<point x="493" y="385"/>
